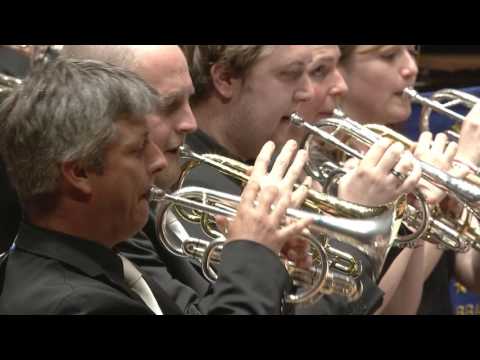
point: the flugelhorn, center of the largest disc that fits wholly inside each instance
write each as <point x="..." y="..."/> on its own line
<point x="373" y="236"/>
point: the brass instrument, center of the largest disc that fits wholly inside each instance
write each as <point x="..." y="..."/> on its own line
<point x="373" y="236"/>
<point x="324" y="169"/>
<point x="7" y="83"/>
<point x="425" y="225"/>
<point x="343" y="267"/>
<point x="449" y="231"/>
<point x="316" y="202"/>
<point x="442" y="101"/>
<point x="36" y="54"/>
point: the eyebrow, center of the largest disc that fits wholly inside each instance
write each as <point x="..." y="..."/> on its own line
<point x="389" y="47"/>
<point x="133" y="142"/>
<point x="324" y="58"/>
<point x="165" y="100"/>
<point x="295" y="63"/>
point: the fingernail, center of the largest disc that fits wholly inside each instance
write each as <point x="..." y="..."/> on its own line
<point x="269" y="145"/>
<point x="399" y="146"/>
<point x="385" y="141"/>
<point x="407" y="155"/>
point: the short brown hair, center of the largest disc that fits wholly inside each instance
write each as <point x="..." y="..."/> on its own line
<point x="238" y="58"/>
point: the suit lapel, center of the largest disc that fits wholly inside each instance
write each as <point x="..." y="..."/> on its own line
<point x="167" y="306"/>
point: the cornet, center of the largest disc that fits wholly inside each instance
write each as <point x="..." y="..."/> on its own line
<point x="326" y="169"/>
<point x="442" y="101"/>
<point x="425" y="226"/>
<point x="316" y="202"/>
<point x="450" y="231"/>
<point x="374" y="237"/>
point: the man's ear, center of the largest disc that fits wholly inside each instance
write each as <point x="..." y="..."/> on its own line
<point x="76" y="178"/>
<point x="223" y="80"/>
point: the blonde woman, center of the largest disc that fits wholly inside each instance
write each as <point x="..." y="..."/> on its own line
<point x="376" y="76"/>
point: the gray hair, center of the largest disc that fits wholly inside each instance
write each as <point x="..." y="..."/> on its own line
<point x="66" y="111"/>
<point x="119" y="55"/>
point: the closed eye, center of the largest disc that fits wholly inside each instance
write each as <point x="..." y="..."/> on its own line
<point x="291" y="74"/>
<point x="139" y="151"/>
<point x="319" y="71"/>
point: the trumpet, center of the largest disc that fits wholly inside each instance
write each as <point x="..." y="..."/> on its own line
<point x="373" y="236"/>
<point x="433" y="230"/>
<point x="316" y="202"/>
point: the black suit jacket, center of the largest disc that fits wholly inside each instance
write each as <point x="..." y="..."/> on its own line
<point x="53" y="273"/>
<point x="206" y="176"/>
<point x="10" y="211"/>
<point x="257" y="288"/>
<point x="177" y="275"/>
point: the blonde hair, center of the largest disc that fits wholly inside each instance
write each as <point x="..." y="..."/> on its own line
<point x="348" y="50"/>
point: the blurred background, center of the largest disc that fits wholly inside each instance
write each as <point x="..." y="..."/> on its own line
<point x="446" y="66"/>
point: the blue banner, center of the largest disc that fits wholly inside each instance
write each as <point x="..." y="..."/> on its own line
<point x="464" y="303"/>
